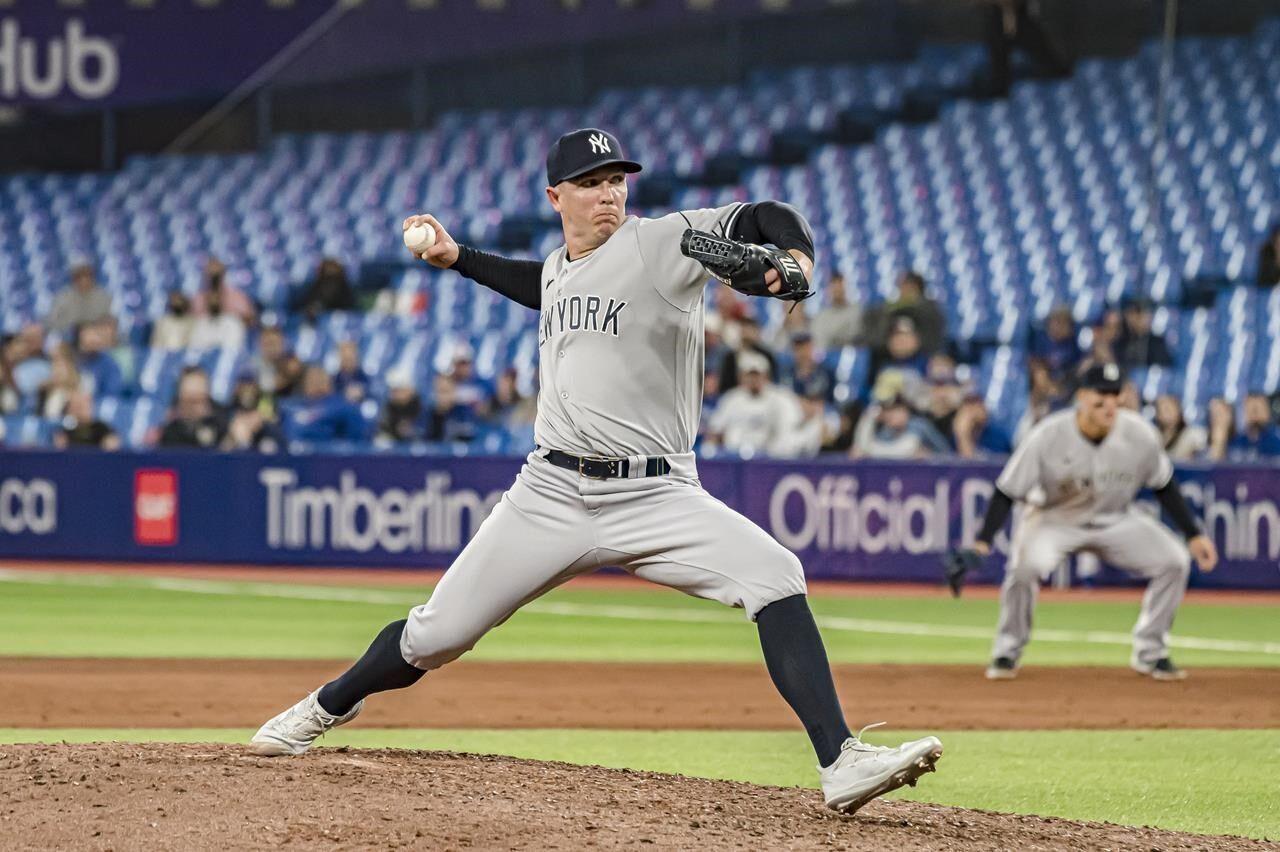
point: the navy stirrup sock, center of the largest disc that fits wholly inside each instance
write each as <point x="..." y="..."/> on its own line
<point x="797" y="662"/>
<point x="381" y="668"/>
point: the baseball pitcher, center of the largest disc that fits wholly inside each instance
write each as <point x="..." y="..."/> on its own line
<point x="613" y="480"/>
<point x="1083" y="467"/>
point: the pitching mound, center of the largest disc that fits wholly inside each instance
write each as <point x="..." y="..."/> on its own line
<point x="124" y="796"/>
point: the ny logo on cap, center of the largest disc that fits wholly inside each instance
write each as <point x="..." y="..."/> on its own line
<point x="599" y="143"/>
<point x="1111" y="372"/>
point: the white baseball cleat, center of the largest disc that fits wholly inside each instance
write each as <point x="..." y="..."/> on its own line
<point x="862" y="772"/>
<point x="1162" y="669"/>
<point x="294" y="730"/>
<point x="1002" y="668"/>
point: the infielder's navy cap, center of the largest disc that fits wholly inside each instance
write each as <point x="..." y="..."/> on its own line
<point x="1103" y="378"/>
<point x="580" y="151"/>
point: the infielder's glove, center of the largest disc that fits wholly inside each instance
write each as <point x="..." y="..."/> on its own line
<point x="956" y="564"/>
<point x="743" y="265"/>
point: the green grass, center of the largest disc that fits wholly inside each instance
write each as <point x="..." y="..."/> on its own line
<point x="85" y="615"/>
<point x="1185" y="780"/>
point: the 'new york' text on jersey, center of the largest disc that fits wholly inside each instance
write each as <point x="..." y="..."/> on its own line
<point x="620" y="341"/>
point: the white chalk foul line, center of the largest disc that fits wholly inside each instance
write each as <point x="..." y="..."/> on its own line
<point x="343" y="594"/>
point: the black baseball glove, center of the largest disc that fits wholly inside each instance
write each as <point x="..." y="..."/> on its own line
<point x="743" y="265"/>
<point x="956" y="564"/>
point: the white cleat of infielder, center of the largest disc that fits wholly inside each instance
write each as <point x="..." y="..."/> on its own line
<point x="294" y="730"/>
<point x="862" y="772"/>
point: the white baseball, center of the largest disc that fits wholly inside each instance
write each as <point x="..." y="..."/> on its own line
<point x="419" y="238"/>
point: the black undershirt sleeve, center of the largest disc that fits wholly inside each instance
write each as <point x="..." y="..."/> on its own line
<point x="773" y="222"/>
<point x="997" y="513"/>
<point x="518" y="280"/>
<point x="1171" y="500"/>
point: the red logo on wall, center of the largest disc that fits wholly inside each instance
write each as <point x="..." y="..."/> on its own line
<point x="155" y="507"/>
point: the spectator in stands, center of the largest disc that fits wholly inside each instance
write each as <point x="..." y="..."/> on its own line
<point x="975" y="434"/>
<point x="121" y="353"/>
<point x="63" y="381"/>
<point x="322" y="415"/>
<point x="841" y="441"/>
<point x="1046" y="395"/>
<point x="1056" y="346"/>
<point x="945" y="396"/>
<point x="10" y="398"/>
<point x="231" y="299"/>
<point x="328" y="291"/>
<point x="889" y="430"/>
<point x="350" y="380"/>
<point x="24" y="360"/>
<point x="271" y="363"/>
<point x="251" y="427"/>
<point x="1222" y="428"/>
<point x="749" y="335"/>
<point x="1258" y="438"/>
<point x="839" y="323"/>
<point x="1182" y="441"/>
<point x="217" y="328"/>
<point x="1138" y="345"/>
<point x="449" y="419"/>
<point x="83" y="301"/>
<point x="172" y="332"/>
<point x="816" y="429"/>
<point x="902" y="354"/>
<point x="757" y="416"/>
<point x="403" y="419"/>
<point x="194" y="421"/>
<point x="1269" y="259"/>
<point x="804" y="373"/>
<point x="100" y="375"/>
<point x="507" y="405"/>
<point x="913" y="303"/>
<point x="468" y="388"/>
<point x="81" y="429"/>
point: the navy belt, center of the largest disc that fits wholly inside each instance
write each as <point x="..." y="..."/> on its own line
<point x="596" y="467"/>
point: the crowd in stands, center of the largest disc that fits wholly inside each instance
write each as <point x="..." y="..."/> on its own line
<point x="773" y="397"/>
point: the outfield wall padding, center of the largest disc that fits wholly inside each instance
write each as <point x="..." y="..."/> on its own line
<point x="846" y="520"/>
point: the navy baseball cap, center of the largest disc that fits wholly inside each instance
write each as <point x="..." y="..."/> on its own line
<point x="1103" y="378"/>
<point x="580" y="151"/>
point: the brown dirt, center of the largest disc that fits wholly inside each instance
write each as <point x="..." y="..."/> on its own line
<point x="124" y="796"/>
<point x="424" y="577"/>
<point x="51" y="693"/>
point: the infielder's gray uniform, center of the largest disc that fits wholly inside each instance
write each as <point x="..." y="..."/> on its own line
<point x="1087" y="494"/>
<point x="621" y="360"/>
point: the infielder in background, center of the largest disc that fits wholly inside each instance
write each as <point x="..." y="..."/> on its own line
<point x="1084" y="466"/>
<point x="613" y="480"/>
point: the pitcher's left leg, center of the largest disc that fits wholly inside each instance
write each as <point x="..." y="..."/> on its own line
<point x="684" y="538"/>
<point x="1142" y="545"/>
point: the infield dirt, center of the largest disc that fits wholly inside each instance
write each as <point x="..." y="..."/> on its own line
<point x="149" y="693"/>
<point x="123" y="796"/>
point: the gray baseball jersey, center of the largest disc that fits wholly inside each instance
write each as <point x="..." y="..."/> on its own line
<point x="621" y="346"/>
<point x="621" y="341"/>
<point x="1081" y="497"/>
<point x="1083" y="482"/>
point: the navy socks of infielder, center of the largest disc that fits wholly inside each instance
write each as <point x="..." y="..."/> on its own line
<point x="381" y="668"/>
<point x="793" y="653"/>
<point x="797" y="662"/>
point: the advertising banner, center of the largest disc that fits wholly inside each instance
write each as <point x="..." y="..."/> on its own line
<point x="119" y="52"/>
<point x="864" y="520"/>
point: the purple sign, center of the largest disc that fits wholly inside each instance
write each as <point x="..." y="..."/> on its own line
<point x="865" y="520"/>
<point x="114" y="52"/>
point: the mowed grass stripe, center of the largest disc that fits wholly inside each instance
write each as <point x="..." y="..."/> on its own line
<point x="1186" y="780"/>
<point x="338" y="594"/>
